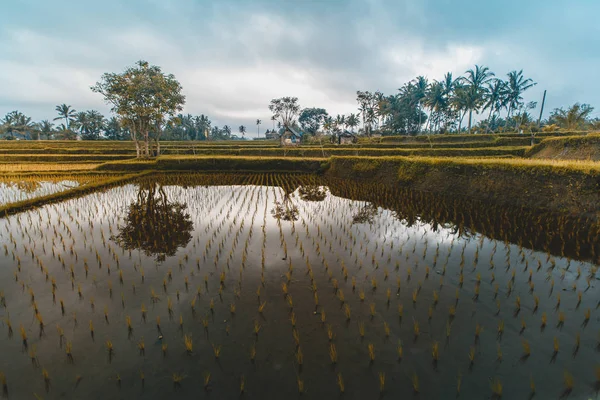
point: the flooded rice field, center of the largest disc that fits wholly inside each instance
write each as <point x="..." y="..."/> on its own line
<point x="275" y="286"/>
<point x="14" y="190"/>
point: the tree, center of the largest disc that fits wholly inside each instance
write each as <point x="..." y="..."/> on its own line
<point x="67" y="113"/>
<point x="494" y="98"/>
<point x="574" y="118"/>
<point x="419" y="93"/>
<point x="45" y="127"/>
<point x="227" y="131"/>
<point x="89" y="123"/>
<point x="258" y="122"/>
<point x="475" y="81"/>
<point x="15" y="122"/>
<point x="311" y="119"/>
<point x="143" y="97"/>
<point x="515" y="86"/>
<point x="352" y="121"/>
<point x="113" y="130"/>
<point x="286" y="109"/>
<point x="242" y="130"/>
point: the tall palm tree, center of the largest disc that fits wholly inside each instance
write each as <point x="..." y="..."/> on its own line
<point x="459" y="102"/>
<point x="515" y="86"/>
<point x="419" y="93"/>
<point x="494" y="98"/>
<point x="436" y="101"/>
<point x="258" y="122"/>
<point x="273" y="119"/>
<point x="475" y="81"/>
<point x="242" y="130"/>
<point x="67" y="113"/>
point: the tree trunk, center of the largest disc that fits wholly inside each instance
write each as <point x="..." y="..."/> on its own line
<point x="470" y="118"/>
<point x="487" y="128"/>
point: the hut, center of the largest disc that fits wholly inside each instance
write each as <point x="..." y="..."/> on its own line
<point x="290" y="137"/>
<point x="347" y="138"/>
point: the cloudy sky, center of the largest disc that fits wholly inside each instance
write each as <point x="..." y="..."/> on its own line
<point x="233" y="56"/>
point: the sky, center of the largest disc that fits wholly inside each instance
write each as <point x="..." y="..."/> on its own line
<point x="233" y="56"/>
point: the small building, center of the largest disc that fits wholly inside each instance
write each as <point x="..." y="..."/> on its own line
<point x="271" y="135"/>
<point x="347" y="138"/>
<point x="290" y="137"/>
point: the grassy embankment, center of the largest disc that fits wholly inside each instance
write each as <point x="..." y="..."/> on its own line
<point x="469" y="166"/>
<point x="568" y="148"/>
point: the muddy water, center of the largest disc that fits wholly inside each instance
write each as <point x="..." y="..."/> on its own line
<point x="189" y="252"/>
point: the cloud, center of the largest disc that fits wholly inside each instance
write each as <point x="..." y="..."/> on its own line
<point x="233" y="57"/>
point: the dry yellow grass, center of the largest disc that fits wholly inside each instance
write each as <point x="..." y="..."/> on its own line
<point x="42" y="167"/>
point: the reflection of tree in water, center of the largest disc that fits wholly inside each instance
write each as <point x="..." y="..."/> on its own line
<point x="154" y="225"/>
<point x="312" y="193"/>
<point x="365" y="214"/>
<point x="285" y="210"/>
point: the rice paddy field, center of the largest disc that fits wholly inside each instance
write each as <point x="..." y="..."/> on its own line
<point x="276" y="285"/>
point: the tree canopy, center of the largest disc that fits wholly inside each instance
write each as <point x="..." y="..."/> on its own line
<point x="144" y="98"/>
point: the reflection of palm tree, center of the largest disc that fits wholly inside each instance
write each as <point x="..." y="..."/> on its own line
<point x="154" y="225"/>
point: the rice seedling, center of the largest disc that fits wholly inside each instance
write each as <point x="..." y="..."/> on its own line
<point x="340" y="382"/>
<point x="381" y="382"/>
<point x="526" y="348"/>
<point x="416" y="329"/>
<point x="372" y="310"/>
<point x="217" y="351"/>
<point x="164" y="348"/>
<point x="330" y="334"/>
<point x="333" y="356"/>
<point x="261" y="307"/>
<point x="569" y="381"/>
<point x="257" y="327"/>
<point x="142" y="347"/>
<point x="386" y="329"/>
<point x="177" y="379"/>
<point x="544" y="320"/>
<point x="400" y="310"/>
<point x="300" y="385"/>
<point x="371" y="349"/>
<point x="471" y="355"/>
<point x="497" y="388"/>
<point x="400" y="350"/>
<point x="4" y="384"/>
<point x="189" y="344"/>
<point x="415" y="383"/>
<point x="347" y="311"/>
<point x="435" y="351"/>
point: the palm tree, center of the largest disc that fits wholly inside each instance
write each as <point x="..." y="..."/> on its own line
<point x="575" y="117"/>
<point x="475" y="81"/>
<point x="227" y="131"/>
<point x="273" y="119"/>
<point x="65" y="112"/>
<point x="258" y="122"/>
<point x="242" y="130"/>
<point x="459" y="102"/>
<point x="494" y="98"/>
<point x="352" y="121"/>
<point x="19" y="123"/>
<point x="516" y="85"/>
<point x="45" y="127"/>
<point x="436" y="101"/>
<point x="419" y="93"/>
